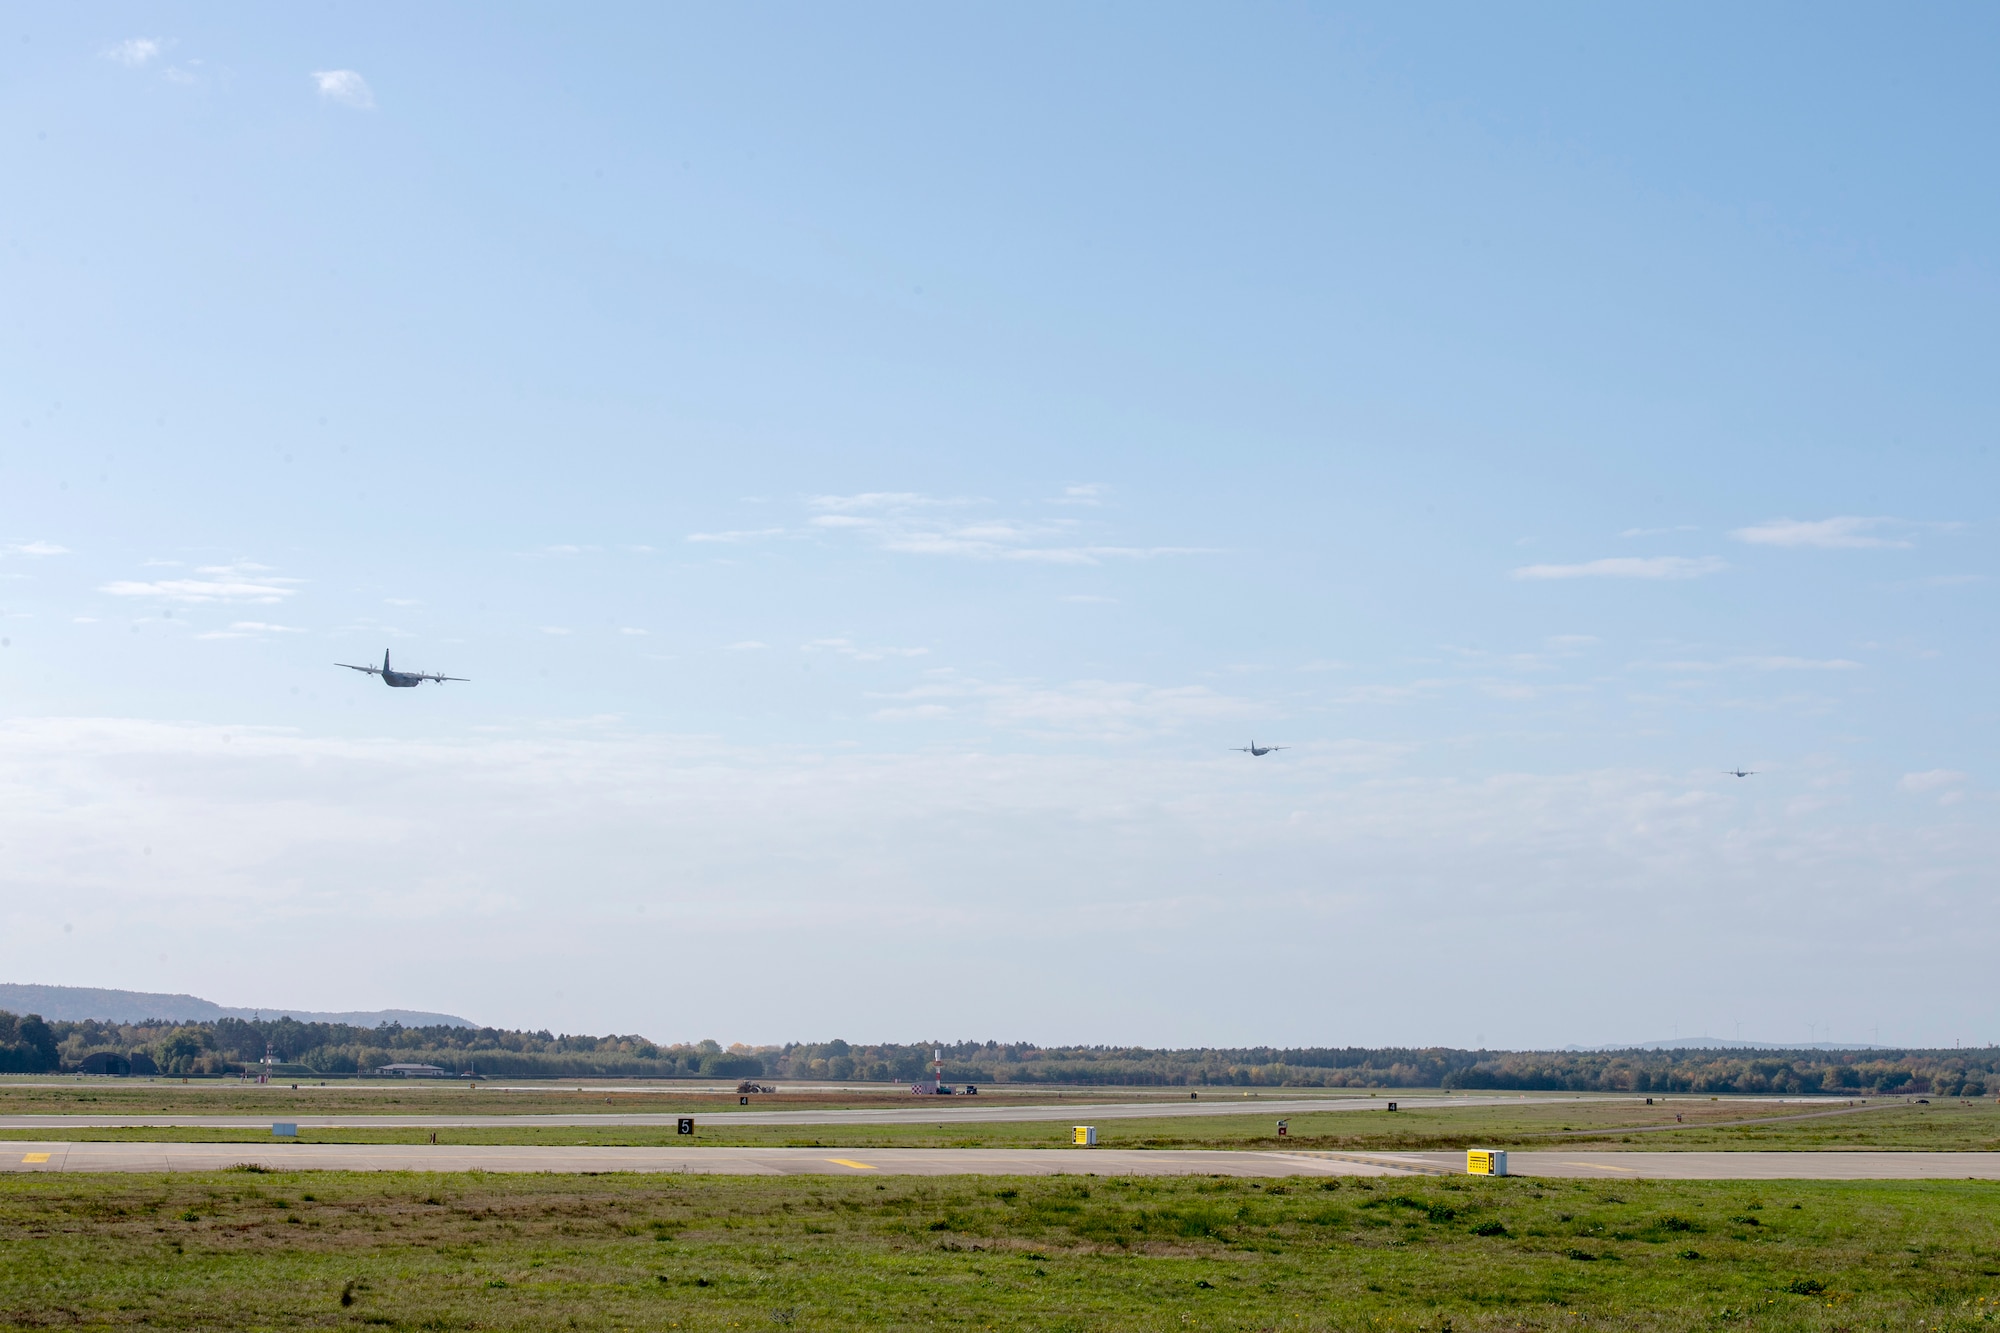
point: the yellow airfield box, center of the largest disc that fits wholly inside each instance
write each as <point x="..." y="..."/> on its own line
<point x="1084" y="1136"/>
<point x="1486" y="1162"/>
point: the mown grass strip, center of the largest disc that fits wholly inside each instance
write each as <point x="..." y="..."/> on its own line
<point x="257" y="1250"/>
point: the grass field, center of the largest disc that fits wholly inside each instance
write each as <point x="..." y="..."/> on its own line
<point x="241" y="1250"/>
<point x="1592" y="1123"/>
<point x="110" y="1096"/>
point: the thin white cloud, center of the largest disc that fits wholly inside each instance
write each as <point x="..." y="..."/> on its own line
<point x="1091" y="493"/>
<point x="135" y="52"/>
<point x="401" y="601"/>
<point x="913" y="713"/>
<point x="1628" y="567"/>
<point x="875" y="501"/>
<point x="743" y="535"/>
<point x="220" y="583"/>
<point x="1770" y="663"/>
<point x="1093" y="555"/>
<point x="1799" y="663"/>
<point x="910" y="523"/>
<point x="345" y="87"/>
<point x="34" y="549"/>
<point x="249" y="629"/>
<point x="913" y="525"/>
<point x="1847" y="532"/>
<point x="1932" y="779"/>
<point x="1658" y="532"/>
<point x="744" y="646"/>
<point x="848" y="648"/>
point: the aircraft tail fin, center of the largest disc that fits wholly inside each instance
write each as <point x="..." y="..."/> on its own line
<point x="385" y="659"/>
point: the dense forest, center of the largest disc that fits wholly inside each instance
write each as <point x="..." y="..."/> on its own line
<point x="235" y="1045"/>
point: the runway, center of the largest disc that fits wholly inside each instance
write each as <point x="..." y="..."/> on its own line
<point x="1745" y="1165"/>
<point x="155" y="1157"/>
<point x="941" y="1111"/>
<point x="25" y="1157"/>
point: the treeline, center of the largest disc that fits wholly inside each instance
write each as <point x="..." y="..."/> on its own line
<point x="1948" y="1073"/>
<point x="235" y="1046"/>
<point x="238" y="1045"/>
<point x="27" y="1045"/>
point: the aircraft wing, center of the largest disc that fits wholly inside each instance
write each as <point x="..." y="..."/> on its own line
<point x="371" y="670"/>
<point x="431" y="676"/>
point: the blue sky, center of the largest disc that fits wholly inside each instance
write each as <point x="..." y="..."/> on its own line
<point x="873" y="465"/>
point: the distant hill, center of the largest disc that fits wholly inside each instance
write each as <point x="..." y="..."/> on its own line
<point x="75" y="1003"/>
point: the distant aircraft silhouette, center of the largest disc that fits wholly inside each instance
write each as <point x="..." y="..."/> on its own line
<point x="1254" y="748"/>
<point x="399" y="680"/>
<point x="1740" y="772"/>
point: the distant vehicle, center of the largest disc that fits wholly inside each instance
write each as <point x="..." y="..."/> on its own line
<point x="1254" y="748"/>
<point x="1739" y="772"/>
<point x="747" y="1086"/>
<point x="399" y="680"/>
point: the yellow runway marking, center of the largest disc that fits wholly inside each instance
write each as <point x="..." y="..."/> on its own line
<point x="1599" y="1166"/>
<point x="36" y="1157"/>
<point x="858" y="1166"/>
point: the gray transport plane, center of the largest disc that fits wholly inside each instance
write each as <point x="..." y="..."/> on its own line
<point x="399" y="680"/>
<point x="1739" y="772"/>
<point x="1254" y="748"/>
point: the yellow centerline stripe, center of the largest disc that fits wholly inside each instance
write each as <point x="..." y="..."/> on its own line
<point x="858" y="1166"/>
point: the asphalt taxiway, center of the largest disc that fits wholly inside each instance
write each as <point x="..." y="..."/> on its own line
<point x="155" y="1157"/>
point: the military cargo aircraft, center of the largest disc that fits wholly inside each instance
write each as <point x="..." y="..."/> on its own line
<point x="1254" y="748"/>
<point x="399" y="680"/>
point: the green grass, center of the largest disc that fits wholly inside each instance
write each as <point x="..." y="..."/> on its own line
<point x="229" y="1096"/>
<point x="254" y="1250"/>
